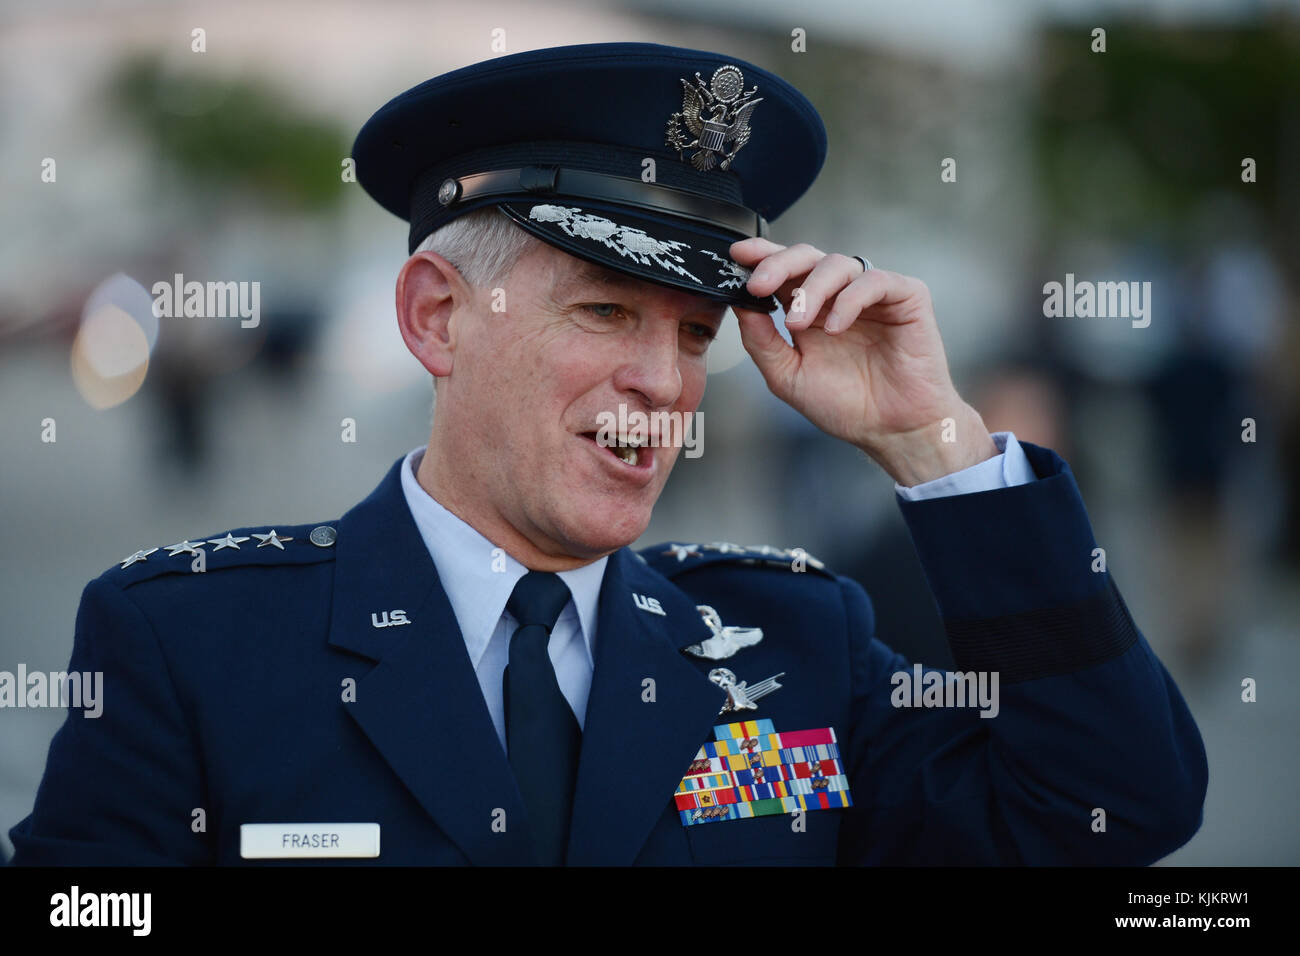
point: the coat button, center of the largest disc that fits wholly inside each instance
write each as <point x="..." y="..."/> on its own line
<point x="323" y="536"/>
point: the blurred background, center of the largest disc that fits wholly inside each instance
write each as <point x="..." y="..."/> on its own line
<point x="129" y="155"/>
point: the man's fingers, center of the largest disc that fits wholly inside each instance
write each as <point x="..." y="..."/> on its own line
<point x="775" y="358"/>
<point x="831" y="274"/>
<point x="811" y="284"/>
<point x="749" y="251"/>
<point x="780" y="266"/>
<point x="873" y="287"/>
<point x="864" y="292"/>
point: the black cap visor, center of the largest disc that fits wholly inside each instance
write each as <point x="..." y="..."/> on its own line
<point x="665" y="251"/>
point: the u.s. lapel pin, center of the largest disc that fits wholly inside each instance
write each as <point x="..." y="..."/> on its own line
<point x="741" y="696"/>
<point x="725" y="640"/>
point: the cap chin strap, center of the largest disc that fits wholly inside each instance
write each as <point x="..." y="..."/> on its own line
<point x="580" y="184"/>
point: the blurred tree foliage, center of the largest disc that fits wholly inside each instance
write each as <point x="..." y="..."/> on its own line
<point x="237" y="134"/>
<point x="1134" y="140"/>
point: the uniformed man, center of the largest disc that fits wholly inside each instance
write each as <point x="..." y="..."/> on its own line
<point x="471" y="666"/>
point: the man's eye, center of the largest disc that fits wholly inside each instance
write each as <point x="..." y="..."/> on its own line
<point x="603" y="309"/>
<point x="701" y="331"/>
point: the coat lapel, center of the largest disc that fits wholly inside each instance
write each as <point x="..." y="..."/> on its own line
<point x="635" y="752"/>
<point x="421" y="705"/>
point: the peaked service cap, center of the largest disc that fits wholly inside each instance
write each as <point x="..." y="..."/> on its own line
<point x="559" y="140"/>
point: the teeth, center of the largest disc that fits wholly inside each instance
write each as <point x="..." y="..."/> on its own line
<point x="626" y="447"/>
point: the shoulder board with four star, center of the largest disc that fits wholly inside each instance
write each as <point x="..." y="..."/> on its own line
<point x="240" y="548"/>
<point x="673" y="558"/>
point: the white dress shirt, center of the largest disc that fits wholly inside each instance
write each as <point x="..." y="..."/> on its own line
<point x="477" y="593"/>
<point x="1005" y="470"/>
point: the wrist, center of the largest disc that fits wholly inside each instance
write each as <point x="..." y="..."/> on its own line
<point x="952" y="443"/>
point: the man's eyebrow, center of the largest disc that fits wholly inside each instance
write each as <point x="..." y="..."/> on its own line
<point x="589" y="274"/>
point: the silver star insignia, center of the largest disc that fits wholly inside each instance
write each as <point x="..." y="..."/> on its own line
<point x="793" y="553"/>
<point x="726" y="547"/>
<point x="185" y="547"/>
<point x="683" y="551"/>
<point x="264" y="539"/>
<point x="131" y="559"/>
<point x="229" y="541"/>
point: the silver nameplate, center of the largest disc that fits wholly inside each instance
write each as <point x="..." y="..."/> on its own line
<point x="279" y="841"/>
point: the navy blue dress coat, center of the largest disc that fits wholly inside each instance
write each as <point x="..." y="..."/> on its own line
<point x="223" y="690"/>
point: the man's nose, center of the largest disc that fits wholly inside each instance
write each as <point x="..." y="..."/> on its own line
<point x="652" y="369"/>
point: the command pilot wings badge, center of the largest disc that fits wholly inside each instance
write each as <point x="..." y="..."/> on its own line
<point x="717" y="115"/>
<point x="741" y="696"/>
<point x="725" y="640"/>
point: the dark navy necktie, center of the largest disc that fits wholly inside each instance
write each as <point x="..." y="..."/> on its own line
<point x="542" y="735"/>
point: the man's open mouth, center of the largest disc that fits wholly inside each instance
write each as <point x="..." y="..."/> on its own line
<point x="629" y="450"/>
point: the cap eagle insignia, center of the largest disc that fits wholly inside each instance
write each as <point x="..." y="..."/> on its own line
<point x="717" y="115"/>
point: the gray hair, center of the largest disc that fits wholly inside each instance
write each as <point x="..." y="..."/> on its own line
<point x="483" y="245"/>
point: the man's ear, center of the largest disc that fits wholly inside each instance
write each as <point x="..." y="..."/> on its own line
<point x="429" y="291"/>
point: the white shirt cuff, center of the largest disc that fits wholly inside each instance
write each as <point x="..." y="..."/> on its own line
<point x="1005" y="470"/>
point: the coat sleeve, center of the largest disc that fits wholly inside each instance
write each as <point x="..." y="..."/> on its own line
<point x="1090" y="730"/>
<point x="119" y="789"/>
